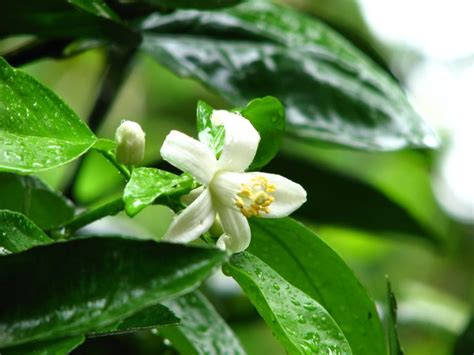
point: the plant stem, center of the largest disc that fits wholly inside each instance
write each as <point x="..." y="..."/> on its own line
<point x="89" y="216"/>
<point x="121" y="168"/>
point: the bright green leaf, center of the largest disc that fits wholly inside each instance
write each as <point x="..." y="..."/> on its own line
<point x="18" y="233"/>
<point x="88" y="284"/>
<point x="29" y="195"/>
<point x="330" y="90"/>
<point x="301" y="324"/>
<point x="202" y="330"/>
<point x="148" y="184"/>
<point x="104" y="145"/>
<point x="47" y="347"/>
<point x="267" y="115"/>
<point x="37" y="130"/>
<point x="152" y="317"/>
<point x="393" y="341"/>
<point x="305" y="261"/>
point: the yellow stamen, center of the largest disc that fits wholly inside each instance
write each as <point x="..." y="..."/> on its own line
<point x="254" y="197"/>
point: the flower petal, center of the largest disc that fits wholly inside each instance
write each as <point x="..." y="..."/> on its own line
<point x="189" y="155"/>
<point x="241" y="141"/>
<point x="193" y="221"/>
<point x="236" y="237"/>
<point x="288" y="195"/>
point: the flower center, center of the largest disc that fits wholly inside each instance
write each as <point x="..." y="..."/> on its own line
<point x="255" y="197"/>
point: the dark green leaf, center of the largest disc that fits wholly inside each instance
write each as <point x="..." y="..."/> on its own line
<point x="267" y="115"/>
<point x="29" y="195"/>
<point x="393" y="341"/>
<point x="44" y="18"/>
<point x="68" y="289"/>
<point x="210" y="135"/>
<point x="465" y="343"/>
<point x="152" y="317"/>
<point x="96" y="7"/>
<point x="18" y="233"/>
<point x="330" y="90"/>
<point x="202" y="330"/>
<point x="196" y="4"/>
<point x="301" y="324"/>
<point x="47" y="347"/>
<point x="148" y="184"/>
<point x="305" y="261"/>
<point x="336" y="198"/>
<point x="37" y="130"/>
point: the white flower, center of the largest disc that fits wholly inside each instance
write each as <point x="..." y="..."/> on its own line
<point x="227" y="191"/>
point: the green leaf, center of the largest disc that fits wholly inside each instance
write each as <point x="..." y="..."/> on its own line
<point x="393" y="341"/>
<point x="212" y="136"/>
<point x="37" y="130"/>
<point x="202" y="330"/>
<point x="330" y="90"/>
<point x="267" y="115"/>
<point x="47" y="347"/>
<point x="77" y="19"/>
<point x="29" y="195"/>
<point x="196" y="4"/>
<point x="306" y="262"/>
<point x="152" y="317"/>
<point x="104" y="145"/>
<point x="72" y="288"/>
<point x="96" y="7"/>
<point x="301" y="324"/>
<point x="18" y="233"/>
<point x="148" y="184"/>
<point x="335" y="198"/>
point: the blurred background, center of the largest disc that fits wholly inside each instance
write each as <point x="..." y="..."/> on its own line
<point x="428" y="48"/>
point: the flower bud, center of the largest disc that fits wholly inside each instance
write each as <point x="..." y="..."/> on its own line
<point x="130" y="140"/>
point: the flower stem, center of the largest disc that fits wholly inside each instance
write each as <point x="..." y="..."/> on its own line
<point x="89" y="216"/>
<point x="122" y="169"/>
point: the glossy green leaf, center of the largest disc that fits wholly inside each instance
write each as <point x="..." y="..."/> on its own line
<point x="47" y="347"/>
<point x="148" y="184"/>
<point x="37" y="130"/>
<point x="202" y="330"/>
<point x="212" y="136"/>
<point x="29" y="196"/>
<point x="77" y="19"/>
<point x="306" y="262"/>
<point x="267" y="115"/>
<point x="330" y="90"/>
<point x="301" y="324"/>
<point x="104" y="145"/>
<point x="84" y="285"/>
<point x="196" y="4"/>
<point x="336" y="198"/>
<point x="393" y="341"/>
<point x="18" y="233"/>
<point x="152" y="317"/>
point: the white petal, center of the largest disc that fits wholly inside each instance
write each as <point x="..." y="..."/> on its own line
<point x="241" y="141"/>
<point x="189" y="155"/>
<point x="236" y="237"/>
<point x="193" y="221"/>
<point x="288" y="195"/>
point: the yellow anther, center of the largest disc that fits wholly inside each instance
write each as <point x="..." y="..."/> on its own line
<point x="254" y="197"/>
